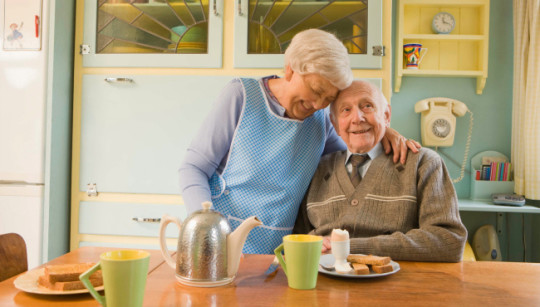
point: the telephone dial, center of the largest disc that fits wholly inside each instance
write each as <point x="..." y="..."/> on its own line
<point x="438" y="123"/>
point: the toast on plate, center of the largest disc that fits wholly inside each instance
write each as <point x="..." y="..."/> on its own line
<point x="368" y="259"/>
<point x="65" y="277"/>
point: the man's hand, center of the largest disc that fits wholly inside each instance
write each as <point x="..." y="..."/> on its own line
<point x="326" y="245"/>
<point x="393" y="141"/>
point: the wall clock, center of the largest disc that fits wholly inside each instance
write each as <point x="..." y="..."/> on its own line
<point x="443" y="23"/>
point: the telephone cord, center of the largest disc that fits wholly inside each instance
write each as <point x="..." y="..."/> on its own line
<point x="467" y="148"/>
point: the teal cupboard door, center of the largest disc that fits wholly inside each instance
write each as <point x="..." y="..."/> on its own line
<point x="264" y="28"/>
<point x="152" y="33"/>
<point x="135" y="129"/>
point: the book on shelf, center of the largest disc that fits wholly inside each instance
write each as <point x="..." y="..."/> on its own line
<point x="496" y="171"/>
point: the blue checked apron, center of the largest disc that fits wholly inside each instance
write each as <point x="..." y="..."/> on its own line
<point x="271" y="162"/>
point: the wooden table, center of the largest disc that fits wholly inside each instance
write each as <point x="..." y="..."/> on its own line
<point x="417" y="283"/>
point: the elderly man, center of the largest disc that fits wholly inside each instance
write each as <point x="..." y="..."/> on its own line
<point x="407" y="212"/>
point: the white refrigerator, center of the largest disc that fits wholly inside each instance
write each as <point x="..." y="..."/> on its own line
<point x="23" y="104"/>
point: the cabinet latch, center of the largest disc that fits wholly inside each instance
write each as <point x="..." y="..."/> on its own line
<point x="84" y="49"/>
<point x="91" y="189"/>
<point x="379" y="50"/>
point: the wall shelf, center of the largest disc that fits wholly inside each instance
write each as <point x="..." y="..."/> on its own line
<point x="488" y="206"/>
<point x="462" y="53"/>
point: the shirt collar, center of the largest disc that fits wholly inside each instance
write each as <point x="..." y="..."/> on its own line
<point x="372" y="154"/>
<point x="274" y="104"/>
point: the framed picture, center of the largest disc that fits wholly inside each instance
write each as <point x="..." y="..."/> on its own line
<point x="22" y="24"/>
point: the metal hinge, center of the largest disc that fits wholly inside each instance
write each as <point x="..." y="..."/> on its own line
<point x="91" y="189"/>
<point x="84" y="49"/>
<point x="379" y="51"/>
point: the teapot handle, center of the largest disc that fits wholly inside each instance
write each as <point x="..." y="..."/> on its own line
<point x="165" y="220"/>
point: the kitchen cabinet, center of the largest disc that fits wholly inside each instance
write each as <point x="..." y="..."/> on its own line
<point x="137" y="106"/>
<point x="135" y="130"/>
<point x="123" y="33"/>
<point x="263" y="29"/>
<point x="462" y="53"/>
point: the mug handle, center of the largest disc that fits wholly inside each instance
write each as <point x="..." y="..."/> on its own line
<point x="424" y="51"/>
<point x="165" y="220"/>
<point x="279" y="256"/>
<point x="85" y="278"/>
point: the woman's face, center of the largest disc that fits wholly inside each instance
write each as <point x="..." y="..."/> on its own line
<point x="306" y="94"/>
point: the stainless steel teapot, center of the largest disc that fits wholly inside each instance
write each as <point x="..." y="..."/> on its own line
<point x="208" y="252"/>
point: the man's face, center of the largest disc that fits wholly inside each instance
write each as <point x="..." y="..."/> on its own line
<point x="306" y="94"/>
<point x="360" y="117"/>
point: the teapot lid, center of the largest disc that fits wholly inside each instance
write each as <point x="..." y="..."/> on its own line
<point x="206" y="205"/>
<point x="206" y="219"/>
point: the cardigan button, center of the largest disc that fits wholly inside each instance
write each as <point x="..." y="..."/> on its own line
<point x="354" y="202"/>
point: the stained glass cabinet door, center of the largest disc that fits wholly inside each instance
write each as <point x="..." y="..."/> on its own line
<point x="264" y="28"/>
<point x="152" y="33"/>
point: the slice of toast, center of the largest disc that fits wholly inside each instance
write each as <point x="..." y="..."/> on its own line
<point x="68" y="272"/>
<point x="382" y="268"/>
<point x="360" y="268"/>
<point x="67" y="285"/>
<point x="369" y="259"/>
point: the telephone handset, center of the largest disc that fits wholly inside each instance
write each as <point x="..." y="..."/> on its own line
<point x="438" y="123"/>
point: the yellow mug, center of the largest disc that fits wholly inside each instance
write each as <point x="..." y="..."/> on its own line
<point x="301" y="264"/>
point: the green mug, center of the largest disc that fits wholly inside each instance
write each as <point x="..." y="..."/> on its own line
<point x="301" y="264"/>
<point x="124" y="277"/>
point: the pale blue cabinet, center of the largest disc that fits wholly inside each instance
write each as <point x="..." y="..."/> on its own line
<point x="135" y="129"/>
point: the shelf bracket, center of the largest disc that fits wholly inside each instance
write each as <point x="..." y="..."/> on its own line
<point x="397" y="85"/>
<point x="480" y="83"/>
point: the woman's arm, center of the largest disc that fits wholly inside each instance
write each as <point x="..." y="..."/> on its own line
<point x="210" y="146"/>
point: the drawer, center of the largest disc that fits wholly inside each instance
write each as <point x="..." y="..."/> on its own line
<point x="108" y="218"/>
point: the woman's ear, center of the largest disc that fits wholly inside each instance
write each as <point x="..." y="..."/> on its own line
<point x="288" y="72"/>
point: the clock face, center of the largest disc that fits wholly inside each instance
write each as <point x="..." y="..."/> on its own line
<point x="443" y="23"/>
<point x="440" y="128"/>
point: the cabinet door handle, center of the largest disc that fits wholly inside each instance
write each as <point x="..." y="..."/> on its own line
<point x="240" y="8"/>
<point x="214" y="8"/>
<point x="146" y="219"/>
<point x="112" y="80"/>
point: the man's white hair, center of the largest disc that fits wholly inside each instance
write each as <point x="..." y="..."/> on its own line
<point x="355" y="84"/>
<point x="315" y="51"/>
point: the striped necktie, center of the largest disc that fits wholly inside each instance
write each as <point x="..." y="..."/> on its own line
<point x="356" y="161"/>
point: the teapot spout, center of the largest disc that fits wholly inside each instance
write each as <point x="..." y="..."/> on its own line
<point x="235" y="243"/>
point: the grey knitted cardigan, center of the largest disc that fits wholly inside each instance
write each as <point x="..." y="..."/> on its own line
<point x="410" y="214"/>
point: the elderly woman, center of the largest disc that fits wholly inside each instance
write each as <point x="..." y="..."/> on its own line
<point x="260" y="146"/>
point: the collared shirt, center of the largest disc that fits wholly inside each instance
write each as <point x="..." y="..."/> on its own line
<point x="372" y="154"/>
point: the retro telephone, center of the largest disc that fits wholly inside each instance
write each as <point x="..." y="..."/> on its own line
<point x="438" y="124"/>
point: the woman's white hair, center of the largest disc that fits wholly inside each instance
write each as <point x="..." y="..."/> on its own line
<point x="315" y="51"/>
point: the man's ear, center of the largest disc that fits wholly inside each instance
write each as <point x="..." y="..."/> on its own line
<point x="288" y="72"/>
<point x="388" y="115"/>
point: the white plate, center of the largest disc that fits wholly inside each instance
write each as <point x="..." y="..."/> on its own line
<point x="28" y="282"/>
<point x="328" y="261"/>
